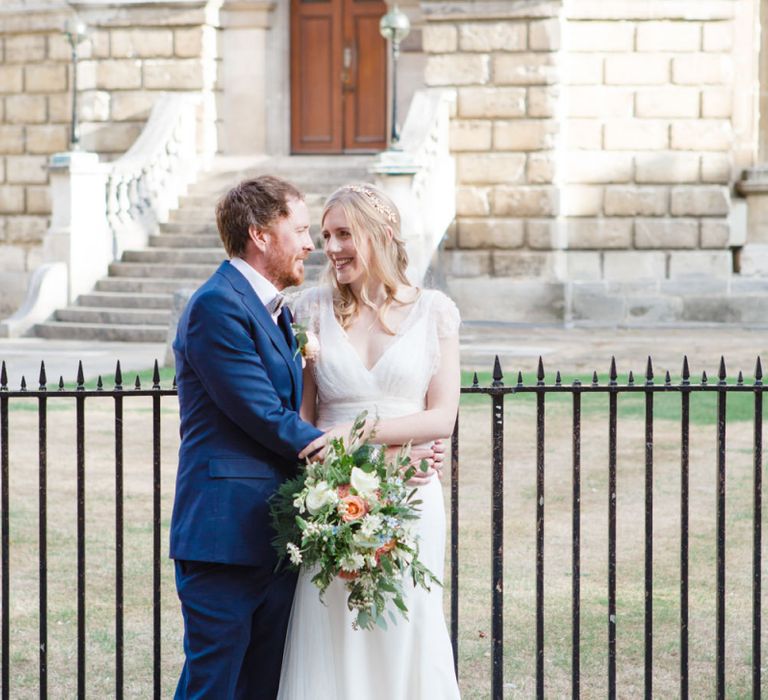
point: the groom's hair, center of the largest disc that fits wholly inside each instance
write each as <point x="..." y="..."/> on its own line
<point x="257" y="202"/>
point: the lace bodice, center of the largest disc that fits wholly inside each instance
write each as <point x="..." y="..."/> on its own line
<point x="397" y="384"/>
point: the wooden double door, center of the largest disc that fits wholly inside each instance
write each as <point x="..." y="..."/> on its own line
<point x="338" y="76"/>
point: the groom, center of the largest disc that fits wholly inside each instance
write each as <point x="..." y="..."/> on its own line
<point x="239" y="382"/>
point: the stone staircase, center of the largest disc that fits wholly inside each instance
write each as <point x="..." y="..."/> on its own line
<point x="133" y="303"/>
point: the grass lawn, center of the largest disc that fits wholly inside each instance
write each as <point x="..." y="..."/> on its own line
<point x="474" y="554"/>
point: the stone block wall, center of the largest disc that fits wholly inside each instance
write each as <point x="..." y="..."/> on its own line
<point x="131" y="56"/>
<point x="648" y="95"/>
<point x="503" y="66"/>
<point x="595" y="141"/>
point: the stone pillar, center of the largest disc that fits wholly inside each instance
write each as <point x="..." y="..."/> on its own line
<point x="244" y="94"/>
<point x="503" y="59"/>
<point x="754" y="255"/>
<point x="79" y="235"/>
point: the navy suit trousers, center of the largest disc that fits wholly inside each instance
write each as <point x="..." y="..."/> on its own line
<point x="235" y="622"/>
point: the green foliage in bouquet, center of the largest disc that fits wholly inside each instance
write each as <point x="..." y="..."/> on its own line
<point x="351" y="516"/>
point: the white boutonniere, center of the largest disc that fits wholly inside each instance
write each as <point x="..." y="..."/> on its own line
<point x="307" y="342"/>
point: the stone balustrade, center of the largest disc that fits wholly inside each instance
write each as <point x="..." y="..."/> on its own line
<point x="100" y="209"/>
<point x="419" y="174"/>
<point x="144" y="185"/>
<point x="133" y="53"/>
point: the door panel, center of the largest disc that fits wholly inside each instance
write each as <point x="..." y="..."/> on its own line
<point x="316" y="106"/>
<point x="338" y="76"/>
<point x="365" y="118"/>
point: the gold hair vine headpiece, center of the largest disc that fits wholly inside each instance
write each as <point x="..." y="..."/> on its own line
<point x="376" y="202"/>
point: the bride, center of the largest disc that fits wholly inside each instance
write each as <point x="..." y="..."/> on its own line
<point x="391" y="349"/>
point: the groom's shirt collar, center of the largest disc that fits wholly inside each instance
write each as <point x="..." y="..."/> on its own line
<point x="265" y="290"/>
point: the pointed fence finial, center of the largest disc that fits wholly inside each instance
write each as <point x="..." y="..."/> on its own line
<point x="631" y="380"/>
<point x="667" y="379"/>
<point x="759" y="370"/>
<point x="475" y="380"/>
<point x="23" y="383"/>
<point x="156" y="377"/>
<point x="80" y="377"/>
<point x="61" y="383"/>
<point x="99" y="384"/>
<point x="594" y="378"/>
<point x="704" y="377"/>
<point x="612" y="373"/>
<point x="686" y="371"/>
<point x="540" y="372"/>
<point x="174" y="380"/>
<point x="118" y="377"/>
<point x="137" y="383"/>
<point x="43" y="380"/>
<point x="498" y="376"/>
<point x="649" y="371"/>
<point x="558" y="379"/>
<point x="520" y="377"/>
<point x="3" y="378"/>
<point x="721" y="375"/>
<point x="740" y="378"/>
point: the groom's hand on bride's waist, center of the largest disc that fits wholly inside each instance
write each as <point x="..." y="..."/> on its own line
<point x="316" y="449"/>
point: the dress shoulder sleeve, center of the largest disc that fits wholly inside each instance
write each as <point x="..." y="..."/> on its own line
<point x="446" y="315"/>
<point x="306" y="307"/>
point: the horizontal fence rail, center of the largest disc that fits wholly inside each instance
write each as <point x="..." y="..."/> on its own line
<point x="500" y="396"/>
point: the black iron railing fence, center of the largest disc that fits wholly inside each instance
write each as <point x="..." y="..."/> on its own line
<point x="80" y="394"/>
<point x="497" y="393"/>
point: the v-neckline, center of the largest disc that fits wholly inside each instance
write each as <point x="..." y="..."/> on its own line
<point x="395" y="340"/>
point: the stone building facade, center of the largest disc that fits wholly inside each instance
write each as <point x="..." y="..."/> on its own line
<point x="598" y="142"/>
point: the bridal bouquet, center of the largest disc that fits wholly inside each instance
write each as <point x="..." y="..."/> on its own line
<point x="350" y="516"/>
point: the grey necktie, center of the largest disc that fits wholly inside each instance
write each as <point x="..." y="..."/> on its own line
<point x="277" y="303"/>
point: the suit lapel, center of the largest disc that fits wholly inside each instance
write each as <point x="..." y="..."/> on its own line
<point x="259" y="311"/>
<point x="285" y="319"/>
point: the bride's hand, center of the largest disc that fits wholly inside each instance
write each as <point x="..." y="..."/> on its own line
<point x="433" y="454"/>
<point x="316" y="449"/>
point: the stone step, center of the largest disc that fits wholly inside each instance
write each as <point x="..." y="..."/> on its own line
<point x="125" y="300"/>
<point x="209" y="229"/>
<point x="207" y="236"/>
<point x="162" y="270"/>
<point x="204" y="215"/>
<point x="205" y="228"/>
<point x="193" y="215"/>
<point x="185" y="256"/>
<point x="114" y="316"/>
<point x="181" y="240"/>
<point x="175" y="255"/>
<point x="146" y="285"/>
<point x="315" y="183"/>
<point x="203" y="204"/>
<point x="101" y="332"/>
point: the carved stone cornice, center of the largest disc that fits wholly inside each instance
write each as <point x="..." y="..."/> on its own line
<point x="754" y="181"/>
<point x="461" y="10"/>
<point x="244" y="14"/>
<point x="145" y="13"/>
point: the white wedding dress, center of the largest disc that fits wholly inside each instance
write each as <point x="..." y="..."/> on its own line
<point x="324" y="657"/>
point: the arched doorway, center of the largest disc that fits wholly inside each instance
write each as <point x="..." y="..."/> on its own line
<point x="338" y="76"/>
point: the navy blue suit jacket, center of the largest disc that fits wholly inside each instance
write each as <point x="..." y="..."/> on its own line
<point x="239" y="382"/>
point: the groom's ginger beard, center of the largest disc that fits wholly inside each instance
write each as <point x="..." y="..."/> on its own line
<point x="283" y="271"/>
<point x="283" y="276"/>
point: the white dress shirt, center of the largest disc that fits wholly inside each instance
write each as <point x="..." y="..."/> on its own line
<point x="265" y="290"/>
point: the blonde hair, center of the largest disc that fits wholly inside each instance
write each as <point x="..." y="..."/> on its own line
<point x="371" y="215"/>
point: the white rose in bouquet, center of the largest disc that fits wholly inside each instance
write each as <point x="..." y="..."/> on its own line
<point x="365" y="483"/>
<point x="319" y="496"/>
